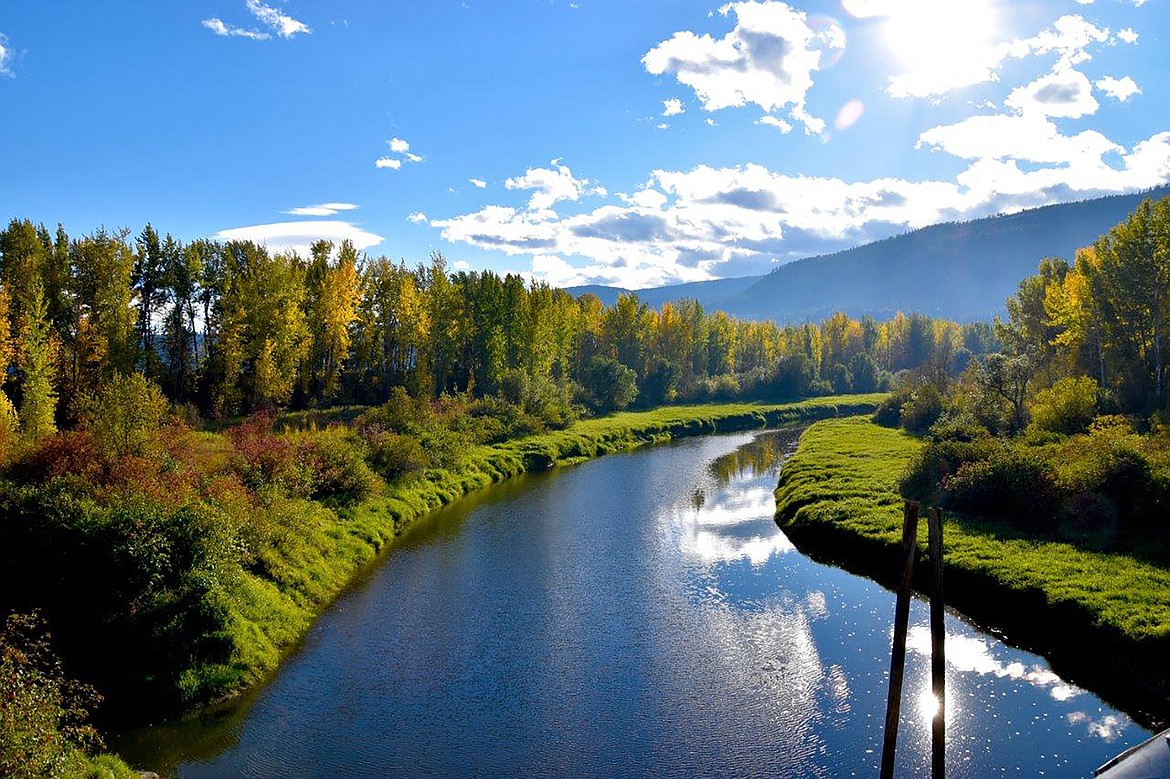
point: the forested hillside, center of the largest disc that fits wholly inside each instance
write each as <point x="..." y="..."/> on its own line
<point x="960" y="271"/>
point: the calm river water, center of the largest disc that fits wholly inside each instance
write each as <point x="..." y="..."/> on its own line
<point x="637" y="615"/>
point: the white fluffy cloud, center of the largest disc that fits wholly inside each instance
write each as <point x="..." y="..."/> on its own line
<point x="768" y="60"/>
<point x="477" y="183"/>
<point x="1127" y="35"/>
<point x="713" y="222"/>
<point x="400" y="147"/>
<point x="1063" y="93"/>
<point x="281" y="24"/>
<point x="772" y="121"/>
<point x="299" y="236"/>
<point x="1118" y="88"/>
<point x="322" y="209"/>
<point x="417" y="217"/>
<point x="672" y="107"/>
<point x="550" y="185"/>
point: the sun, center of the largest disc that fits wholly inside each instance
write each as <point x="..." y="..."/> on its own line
<point x="936" y="44"/>
<point x="925" y="34"/>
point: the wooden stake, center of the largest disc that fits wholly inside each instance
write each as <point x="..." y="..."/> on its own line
<point x="898" y="653"/>
<point x="938" y="663"/>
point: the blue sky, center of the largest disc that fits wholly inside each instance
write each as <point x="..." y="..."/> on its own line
<point x="633" y="143"/>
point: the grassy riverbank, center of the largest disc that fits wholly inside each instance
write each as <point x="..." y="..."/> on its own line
<point x="1103" y="618"/>
<point x="269" y="607"/>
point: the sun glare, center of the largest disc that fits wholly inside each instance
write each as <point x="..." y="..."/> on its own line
<point x="949" y="42"/>
<point x="931" y="35"/>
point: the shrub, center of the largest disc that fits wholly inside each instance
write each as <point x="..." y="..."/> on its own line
<point x="922" y="409"/>
<point x="1067" y="407"/>
<point x="1012" y="484"/>
<point x="393" y="456"/>
<point x="125" y="416"/>
<point x="958" y="426"/>
<point x="338" y="469"/>
<point x="609" y="385"/>
<point x="42" y="713"/>
<point x="934" y="463"/>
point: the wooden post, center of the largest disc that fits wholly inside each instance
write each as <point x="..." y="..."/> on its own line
<point x="938" y="663"/>
<point x="901" y="623"/>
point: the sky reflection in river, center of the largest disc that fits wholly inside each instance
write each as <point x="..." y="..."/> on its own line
<point x="637" y="615"/>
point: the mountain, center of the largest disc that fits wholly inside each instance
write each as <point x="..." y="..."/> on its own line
<point x="961" y="271"/>
<point x="709" y="293"/>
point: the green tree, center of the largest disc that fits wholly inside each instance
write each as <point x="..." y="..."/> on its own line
<point x="38" y="400"/>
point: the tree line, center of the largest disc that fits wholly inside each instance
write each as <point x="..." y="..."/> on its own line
<point x="225" y="328"/>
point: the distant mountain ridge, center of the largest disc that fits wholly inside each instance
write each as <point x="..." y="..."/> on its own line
<point x="961" y="271"/>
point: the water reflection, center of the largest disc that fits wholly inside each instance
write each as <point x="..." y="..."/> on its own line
<point x="732" y="519"/>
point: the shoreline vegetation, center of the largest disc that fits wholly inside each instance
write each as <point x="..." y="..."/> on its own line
<point x="1102" y="618"/>
<point x="273" y="613"/>
<point x="258" y="609"/>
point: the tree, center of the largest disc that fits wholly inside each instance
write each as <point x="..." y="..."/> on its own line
<point x="38" y="403"/>
<point x="1007" y="377"/>
<point x="612" y="386"/>
<point x="125" y="416"/>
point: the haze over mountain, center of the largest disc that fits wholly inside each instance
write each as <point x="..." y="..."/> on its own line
<point x="961" y="271"/>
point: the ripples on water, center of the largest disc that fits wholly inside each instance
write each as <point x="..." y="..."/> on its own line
<point x="636" y="615"/>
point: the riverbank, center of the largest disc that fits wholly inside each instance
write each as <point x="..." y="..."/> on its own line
<point x="269" y="607"/>
<point x="1102" y="619"/>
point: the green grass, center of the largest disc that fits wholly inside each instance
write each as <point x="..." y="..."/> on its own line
<point x="838" y="500"/>
<point x="266" y="609"/>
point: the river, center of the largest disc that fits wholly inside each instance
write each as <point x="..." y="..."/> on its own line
<point x="636" y="615"/>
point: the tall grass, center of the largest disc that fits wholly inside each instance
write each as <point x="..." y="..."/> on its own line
<point x="838" y="500"/>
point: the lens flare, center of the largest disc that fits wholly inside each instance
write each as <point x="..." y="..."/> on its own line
<point x="849" y="114"/>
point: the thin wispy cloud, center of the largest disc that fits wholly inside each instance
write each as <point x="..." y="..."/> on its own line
<point x="477" y="183"/>
<point x="221" y="28"/>
<point x="298" y="237"/>
<point x="321" y="209"/>
<point x="5" y="56"/>
<point x="280" y="24"/>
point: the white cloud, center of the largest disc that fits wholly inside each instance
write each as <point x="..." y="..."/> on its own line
<point x="772" y="121"/>
<point x="388" y="162"/>
<point x="418" y="217"/>
<point x="551" y="185"/>
<point x="398" y="146"/>
<point x="479" y="183"/>
<point x="299" y="236"/>
<point x="218" y="27"/>
<point x="662" y="126"/>
<point x="672" y="107"/>
<point x="461" y="265"/>
<point x="322" y="209"/>
<point x="1119" y="88"/>
<point x="283" y="25"/>
<point x="768" y="59"/>
<point x="713" y="222"/>
<point x="1128" y="35"/>
<point x="5" y="55"/>
<point x="1064" y="93"/>
<point x="1084" y="2"/>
